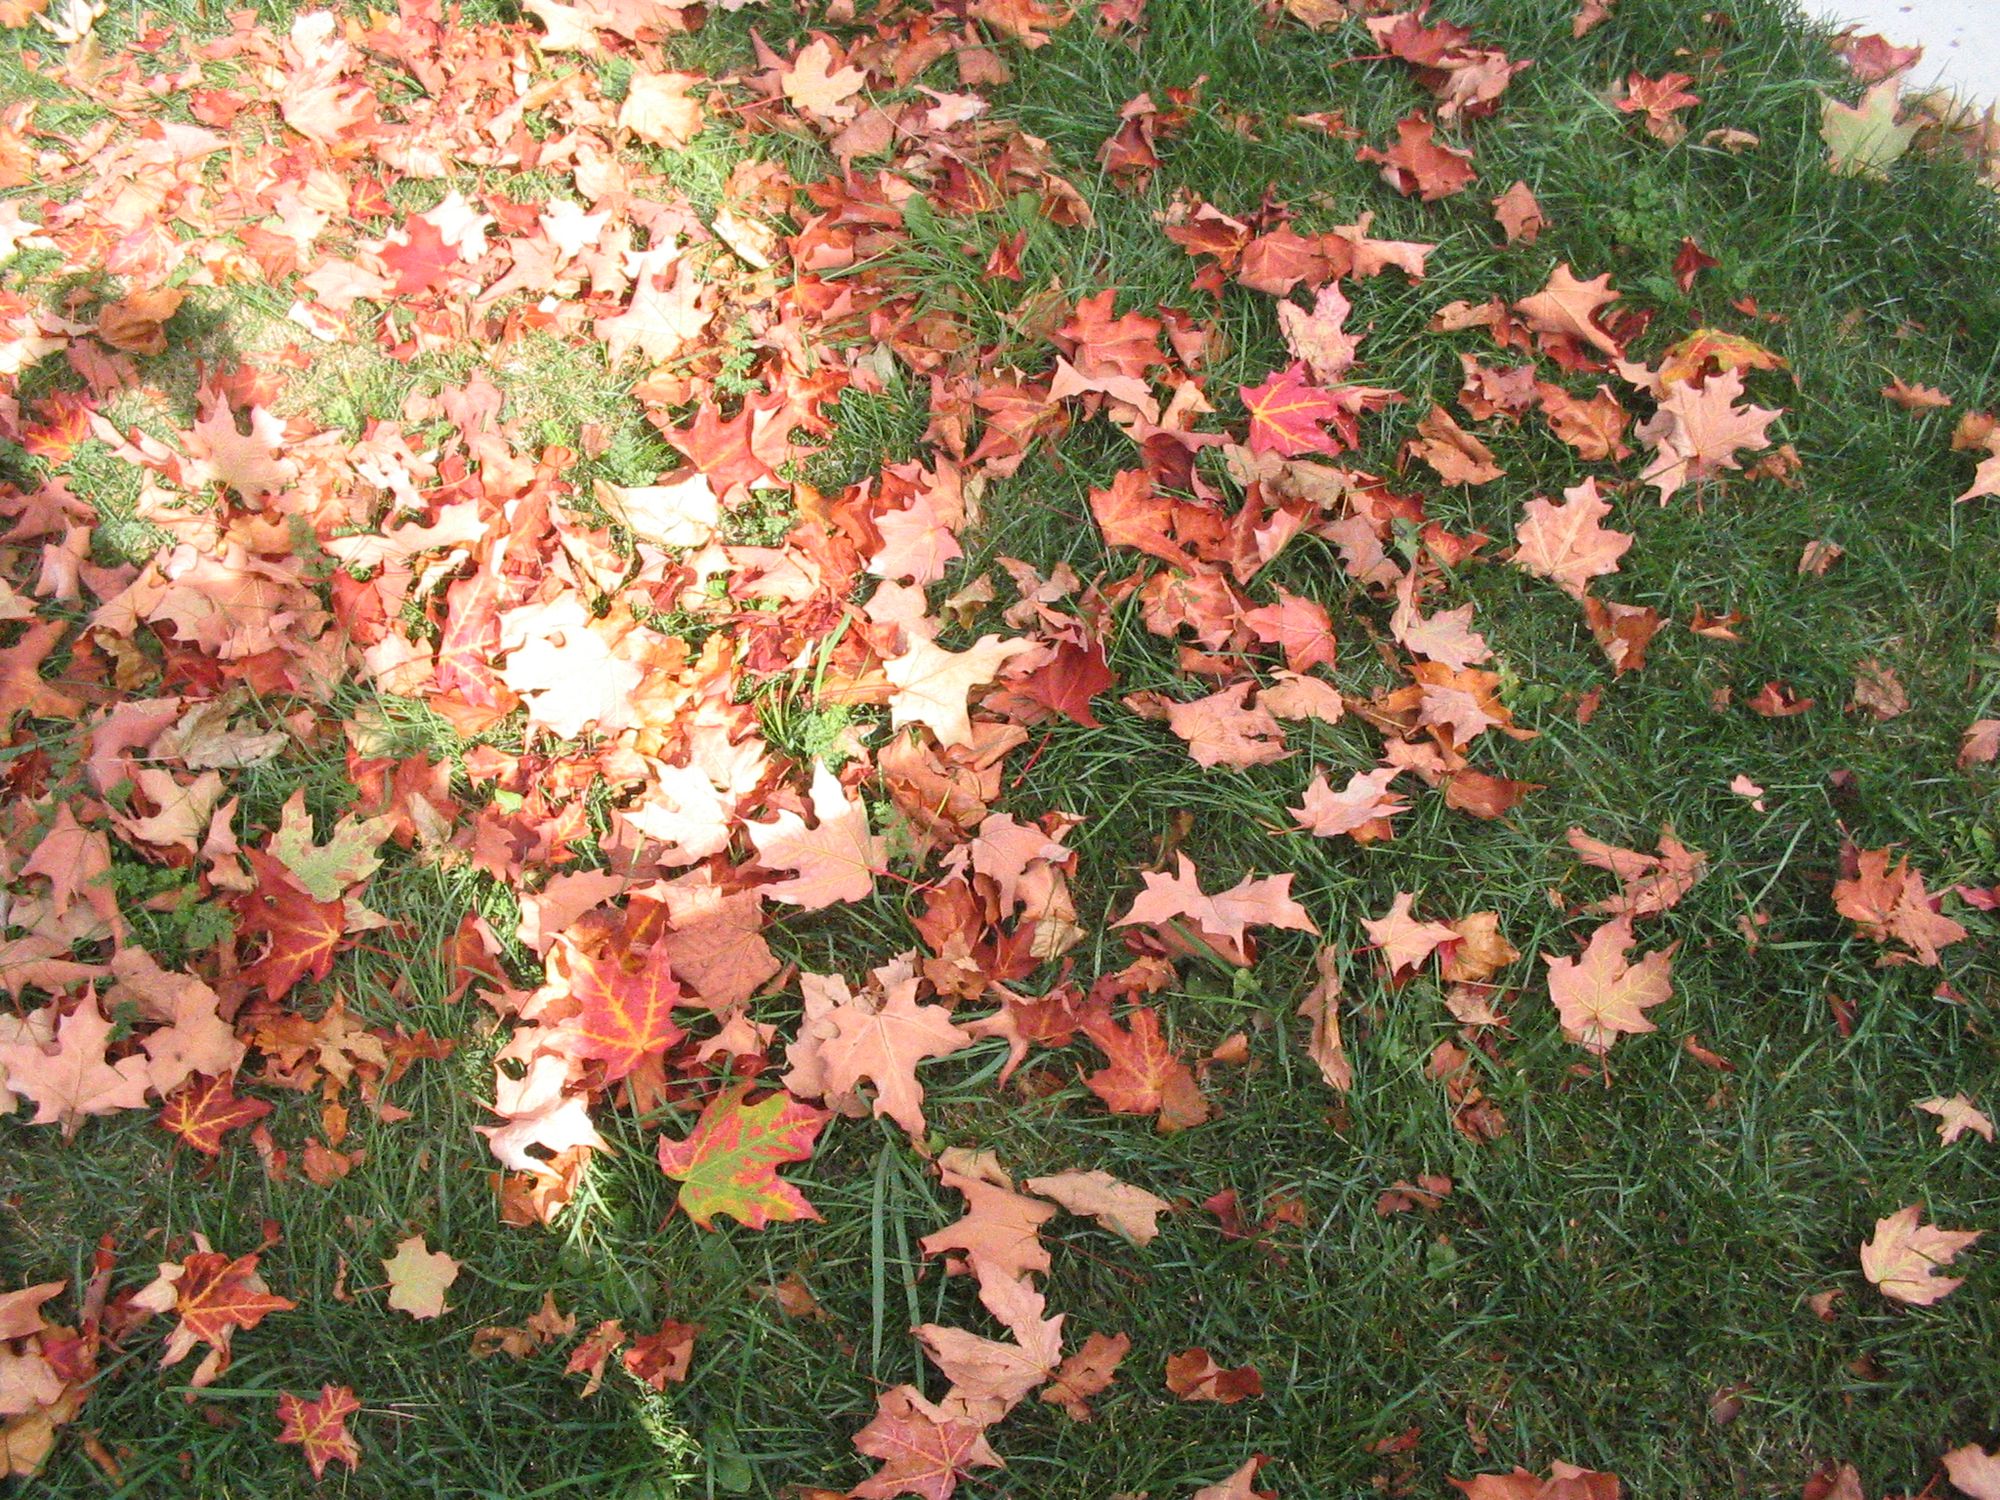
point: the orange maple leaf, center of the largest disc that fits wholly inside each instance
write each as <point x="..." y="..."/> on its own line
<point x="320" y="1427"/>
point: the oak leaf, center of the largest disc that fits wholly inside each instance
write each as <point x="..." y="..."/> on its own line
<point x="320" y="1427"/>
<point x="728" y="1163"/>
<point x="1903" y="1257"/>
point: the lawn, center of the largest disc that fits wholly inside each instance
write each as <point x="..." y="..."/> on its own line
<point x="575" y="573"/>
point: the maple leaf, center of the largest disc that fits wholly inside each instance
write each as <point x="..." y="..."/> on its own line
<point x="1519" y="215"/>
<point x="835" y="861"/>
<point x="1623" y="630"/>
<point x="1446" y="637"/>
<point x="988" y="1377"/>
<point x="1361" y="810"/>
<point x="882" y="1043"/>
<point x="420" y="260"/>
<point x="624" y="1016"/>
<point x="1565" y="1482"/>
<point x="1974" y="1471"/>
<point x="70" y="1078"/>
<point x="657" y="108"/>
<point x="1000" y="1233"/>
<point x="23" y="690"/>
<point x="1892" y="905"/>
<point x="1118" y="1206"/>
<point x="1144" y="1076"/>
<point x="1658" y="100"/>
<point x="1862" y="140"/>
<point x="320" y="1427"/>
<point x="1902" y="1258"/>
<point x="1420" y="164"/>
<point x="1086" y="1373"/>
<point x="1456" y="455"/>
<point x="1565" y="543"/>
<point x="1196" y="1375"/>
<point x="304" y="934"/>
<point x="1878" y="691"/>
<point x="1957" y="1115"/>
<point x="1240" y="1485"/>
<point x="1600" y="996"/>
<point x="727" y="1163"/>
<point x="213" y="1296"/>
<point x="1223" y="729"/>
<point x="1404" y="942"/>
<point x="1567" y="307"/>
<point x="203" y="1110"/>
<point x="932" y="683"/>
<point x="1321" y="1010"/>
<point x="682" y="512"/>
<point x="1698" y="431"/>
<point x="325" y="871"/>
<point x="76" y="861"/>
<point x="419" y="1278"/>
<point x="1261" y="901"/>
<point x="1652" y="882"/>
<point x="924" y="1451"/>
<point x="1286" y="413"/>
<point x="666" y="1356"/>
<point x="819" y="89"/>
<point x="1299" y="627"/>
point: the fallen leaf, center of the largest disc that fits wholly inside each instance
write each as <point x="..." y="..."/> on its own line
<point x="727" y="1164"/>
<point x="418" y="1278"/>
<point x="320" y="1427"/>
<point x="1903" y="1257"/>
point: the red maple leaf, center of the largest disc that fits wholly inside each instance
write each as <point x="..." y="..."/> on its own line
<point x="1144" y="1076"/>
<point x="1286" y="412"/>
<point x="304" y="934"/>
<point x="422" y="262"/>
<point x="320" y="1427"/>
<point x="626" y="1016"/>
<point x="1067" y="683"/>
<point x="203" y="1110"/>
<point x="1419" y="164"/>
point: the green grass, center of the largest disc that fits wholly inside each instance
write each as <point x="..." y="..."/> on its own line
<point x="1641" y="1238"/>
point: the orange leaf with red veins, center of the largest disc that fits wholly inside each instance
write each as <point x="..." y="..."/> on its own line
<point x="1957" y="1115"/>
<point x="728" y="1162"/>
<point x="1196" y="1375"/>
<point x="883" y="1043"/>
<point x="924" y="1451"/>
<point x="320" y="1427"/>
<point x="1698" y="431"/>
<point x="625" y="1017"/>
<point x="932" y="683"/>
<point x="70" y="1078"/>
<point x="1420" y="164"/>
<point x="1225" y="730"/>
<point x="1144" y="1077"/>
<point x="1086" y="1373"/>
<point x="1892" y="905"/>
<point x="1600" y="996"/>
<point x="1401" y="939"/>
<point x="834" y="861"/>
<point x="1262" y="901"/>
<point x="204" y="1110"/>
<point x="1446" y="637"/>
<point x="1568" y="308"/>
<point x="1902" y="1258"/>
<point x="304" y="934"/>
<point x="1565" y="543"/>
<point x="1286" y="413"/>
<point x="1297" y="626"/>
<point x="1361" y="810"/>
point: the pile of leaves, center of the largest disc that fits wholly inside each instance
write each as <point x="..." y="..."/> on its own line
<point x="605" y="654"/>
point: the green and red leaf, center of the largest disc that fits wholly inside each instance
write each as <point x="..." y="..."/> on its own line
<point x="728" y="1162"/>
